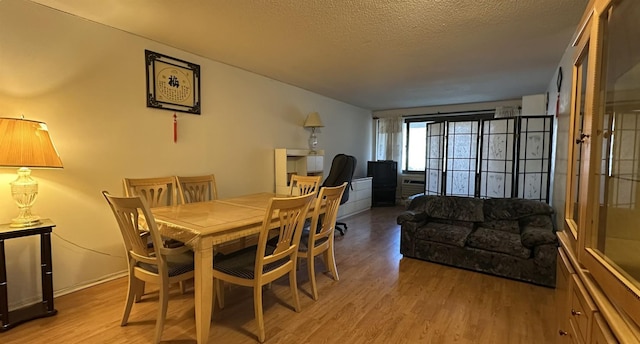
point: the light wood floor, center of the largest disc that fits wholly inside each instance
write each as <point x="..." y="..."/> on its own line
<point x="381" y="298"/>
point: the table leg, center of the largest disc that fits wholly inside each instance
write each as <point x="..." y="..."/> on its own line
<point x="203" y="276"/>
<point x="4" y="299"/>
<point x="47" y="272"/>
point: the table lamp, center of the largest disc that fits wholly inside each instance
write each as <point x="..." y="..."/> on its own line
<point x="313" y="121"/>
<point x="26" y="144"/>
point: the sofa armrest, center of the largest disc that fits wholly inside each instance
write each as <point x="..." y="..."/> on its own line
<point x="411" y="216"/>
<point x="535" y="236"/>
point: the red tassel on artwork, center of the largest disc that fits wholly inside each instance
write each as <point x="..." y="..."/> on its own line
<point x="175" y="128"/>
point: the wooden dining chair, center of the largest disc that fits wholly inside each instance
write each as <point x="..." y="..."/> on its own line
<point x="201" y="189"/>
<point x="299" y="185"/>
<point x="302" y="185"/>
<point x="157" y="192"/>
<point x="320" y="240"/>
<point x="161" y="265"/>
<point x="197" y="188"/>
<point x="261" y="264"/>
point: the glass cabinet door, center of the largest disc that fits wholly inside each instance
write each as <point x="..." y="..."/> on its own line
<point x="576" y="147"/>
<point x="603" y="182"/>
<point x="616" y="237"/>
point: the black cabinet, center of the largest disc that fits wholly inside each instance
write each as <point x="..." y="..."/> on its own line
<point x="40" y="309"/>
<point x="384" y="181"/>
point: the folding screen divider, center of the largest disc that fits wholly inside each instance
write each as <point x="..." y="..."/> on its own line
<point x="461" y="158"/>
<point x="497" y="152"/>
<point x="490" y="158"/>
<point x="534" y="157"/>
<point x="435" y="157"/>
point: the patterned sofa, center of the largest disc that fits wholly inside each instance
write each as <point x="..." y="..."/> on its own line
<point x="508" y="237"/>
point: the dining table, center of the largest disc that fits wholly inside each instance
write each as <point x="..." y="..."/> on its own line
<point x="202" y="226"/>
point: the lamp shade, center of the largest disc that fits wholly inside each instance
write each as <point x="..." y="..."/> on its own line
<point x="313" y="121"/>
<point x="26" y="143"/>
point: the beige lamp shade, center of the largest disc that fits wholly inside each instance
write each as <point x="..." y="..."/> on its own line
<point x="313" y="121"/>
<point x="26" y="143"/>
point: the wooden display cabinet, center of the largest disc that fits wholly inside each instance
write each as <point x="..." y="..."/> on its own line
<point x="601" y="233"/>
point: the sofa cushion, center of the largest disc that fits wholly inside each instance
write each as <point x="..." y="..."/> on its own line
<point x="509" y="226"/>
<point x="417" y="204"/>
<point x="467" y="224"/>
<point x="514" y="208"/>
<point x="535" y="236"/>
<point x="454" y="208"/>
<point x="498" y="241"/>
<point x="411" y="216"/>
<point x="443" y="233"/>
<point x="542" y="221"/>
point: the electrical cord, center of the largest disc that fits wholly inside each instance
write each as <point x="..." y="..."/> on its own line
<point x="86" y="248"/>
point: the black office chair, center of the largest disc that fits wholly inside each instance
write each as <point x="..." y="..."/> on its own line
<point x="342" y="168"/>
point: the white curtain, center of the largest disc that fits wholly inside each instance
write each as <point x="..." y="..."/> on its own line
<point x="389" y="139"/>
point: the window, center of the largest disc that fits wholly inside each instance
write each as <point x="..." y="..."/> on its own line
<point x="415" y="148"/>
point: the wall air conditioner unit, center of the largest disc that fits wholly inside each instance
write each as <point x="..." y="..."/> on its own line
<point x="412" y="185"/>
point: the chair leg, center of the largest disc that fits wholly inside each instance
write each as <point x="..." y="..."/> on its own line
<point x="311" y="268"/>
<point x="218" y="289"/>
<point x="257" y="306"/>
<point x="139" y="290"/>
<point x="131" y="297"/>
<point x="293" y="285"/>
<point x="214" y="295"/>
<point x="162" y="310"/>
<point x="183" y="287"/>
<point x="330" y="262"/>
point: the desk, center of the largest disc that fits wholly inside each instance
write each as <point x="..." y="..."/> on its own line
<point x="39" y="310"/>
<point x="205" y="224"/>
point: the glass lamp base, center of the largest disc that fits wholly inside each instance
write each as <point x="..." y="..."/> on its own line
<point x="24" y="191"/>
<point x="29" y="221"/>
<point x="313" y="142"/>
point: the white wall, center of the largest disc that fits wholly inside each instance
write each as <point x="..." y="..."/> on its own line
<point x="561" y="132"/>
<point x="534" y="105"/>
<point x="87" y="82"/>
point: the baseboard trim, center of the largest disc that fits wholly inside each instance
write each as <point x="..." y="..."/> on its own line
<point x="90" y="283"/>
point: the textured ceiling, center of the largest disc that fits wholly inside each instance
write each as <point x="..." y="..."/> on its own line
<point x="374" y="54"/>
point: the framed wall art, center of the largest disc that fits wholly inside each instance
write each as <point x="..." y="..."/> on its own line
<point x="172" y="84"/>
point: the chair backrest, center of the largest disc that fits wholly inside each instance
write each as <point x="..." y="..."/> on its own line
<point x="197" y="188"/>
<point x="129" y="213"/>
<point x="157" y="192"/>
<point x="342" y="168"/>
<point x="290" y="213"/>
<point x="302" y="185"/>
<point x="331" y="196"/>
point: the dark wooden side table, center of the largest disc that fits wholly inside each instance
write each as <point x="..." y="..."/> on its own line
<point x="42" y="309"/>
